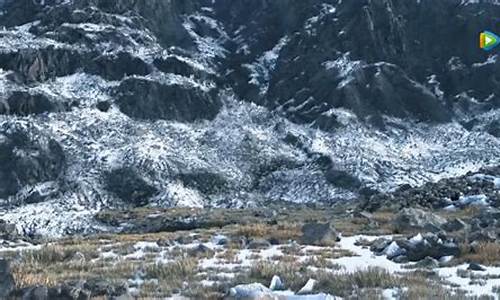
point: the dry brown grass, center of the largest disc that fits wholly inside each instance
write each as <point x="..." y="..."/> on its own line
<point x="176" y="271"/>
<point x="228" y="256"/>
<point x="464" y="214"/>
<point x="484" y="253"/>
<point x="29" y="275"/>
<point x="24" y="279"/>
<point x="344" y="284"/>
<point x="321" y="262"/>
<point x="292" y="249"/>
<point x="329" y="253"/>
<point x="366" y="284"/>
<point x="380" y="224"/>
<point x="292" y="273"/>
<point x="281" y="232"/>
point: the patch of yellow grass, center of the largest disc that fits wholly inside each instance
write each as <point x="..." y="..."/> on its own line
<point x="484" y="253"/>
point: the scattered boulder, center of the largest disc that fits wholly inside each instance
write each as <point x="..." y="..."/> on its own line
<point x="428" y="245"/>
<point x="123" y="297"/>
<point x="276" y="284"/>
<point x="414" y="219"/>
<point x="7" y="284"/>
<point x="454" y="225"/>
<point x="36" y="293"/>
<point x="70" y="291"/>
<point x="393" y="250"/>
<point x="379" y="245"/>
<point x="476" y="267"/>
<point x="308" y="288"/>
<point x="248" y="291"/>
<point x="221" y="240"/>
<point x="99" y="287"/>
<point x="319" y="234"/>
<point x="201" y="250"/>
<point x="259" y="244"/>
<point x="426" y="263"/>
<point x="103" y="106"/>
<point x="8" y="231"/>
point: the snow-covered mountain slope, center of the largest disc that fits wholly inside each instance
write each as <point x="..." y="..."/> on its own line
<point x="111" y="104"/>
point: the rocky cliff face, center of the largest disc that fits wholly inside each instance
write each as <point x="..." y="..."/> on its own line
<point x="111" y="104"/>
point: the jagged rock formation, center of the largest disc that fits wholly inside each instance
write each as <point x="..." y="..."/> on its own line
<point x="105" y="104"/>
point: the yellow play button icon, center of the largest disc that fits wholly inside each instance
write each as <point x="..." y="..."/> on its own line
<point x="488" y="40"/>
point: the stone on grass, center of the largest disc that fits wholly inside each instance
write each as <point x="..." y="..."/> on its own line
<point x="319" y="234"/>
<point x="308" y="288"/>
<point x="476" y="267"/>
<point x="6" y="279"/>
<point x="276" y="284"/>
<point x="413" y="219"/>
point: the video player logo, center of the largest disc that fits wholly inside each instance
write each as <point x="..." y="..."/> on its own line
<point x="488" y="40"/>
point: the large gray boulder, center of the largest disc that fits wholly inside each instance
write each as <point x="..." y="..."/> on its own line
<point x="8" y="231"/>
<point x="319" y="234"/>
<point x="7" y="284"/>
<point x="417" y="220"/>
<point x="36" y="293"/>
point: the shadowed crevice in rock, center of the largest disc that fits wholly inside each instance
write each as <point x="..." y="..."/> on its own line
<point x="129" y="186"/>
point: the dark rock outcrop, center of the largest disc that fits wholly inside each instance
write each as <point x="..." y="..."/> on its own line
<point x="24" y="104"/>
<point x="144" y="99"/>
<point x="117" y="66"/>
<point x="205" y="182"/>
<point x="494" y="128"/>
<point x="173" y="65"/>
<point x="129" y="186"/>
<point x="24" y="160"/>
<point x="342" y="179"/>
<point x="373" y="57"/>
<point x="35" y="65"/>
<point x="38" y="65"/>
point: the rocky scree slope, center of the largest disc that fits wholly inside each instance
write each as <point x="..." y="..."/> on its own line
<point x="115" y="104"/>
